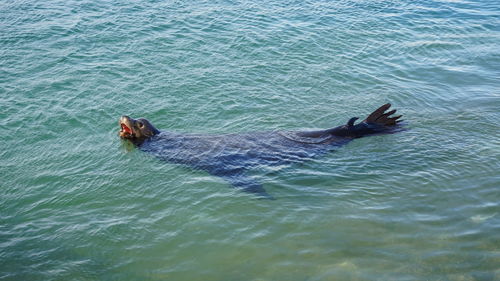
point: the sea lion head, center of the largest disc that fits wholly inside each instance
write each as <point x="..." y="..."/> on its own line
<point x="136" y="130"/>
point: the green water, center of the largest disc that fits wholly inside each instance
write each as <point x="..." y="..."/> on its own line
<point x="76" y="203"/>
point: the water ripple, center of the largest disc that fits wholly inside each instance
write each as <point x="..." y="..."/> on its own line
<point x="77" y="203"/>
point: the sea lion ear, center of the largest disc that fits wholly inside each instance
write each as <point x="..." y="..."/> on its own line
<point x="351" y="121"/>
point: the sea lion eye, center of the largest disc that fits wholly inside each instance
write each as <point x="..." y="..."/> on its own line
<point x="140" y="124"/>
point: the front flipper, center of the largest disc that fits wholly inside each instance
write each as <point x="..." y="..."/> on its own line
<point x="246" y="184"/>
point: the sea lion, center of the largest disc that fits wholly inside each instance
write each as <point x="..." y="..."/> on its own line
<point x="229" y="156"/>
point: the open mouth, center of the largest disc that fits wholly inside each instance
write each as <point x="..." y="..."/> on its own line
<point x="125" y="132"/>
<point x="126" y="129"/>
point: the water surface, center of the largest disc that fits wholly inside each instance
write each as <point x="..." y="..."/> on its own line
<point x="79" y="204"/>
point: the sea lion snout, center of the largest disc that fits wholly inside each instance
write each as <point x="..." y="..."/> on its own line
<point x="127" y="127"/>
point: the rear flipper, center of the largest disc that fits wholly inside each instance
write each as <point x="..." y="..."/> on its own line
<point x="379" y="121"/>
<point x="382" y="118"/>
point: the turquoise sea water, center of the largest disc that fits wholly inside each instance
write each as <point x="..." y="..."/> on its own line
<point x="77" y="203"/>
